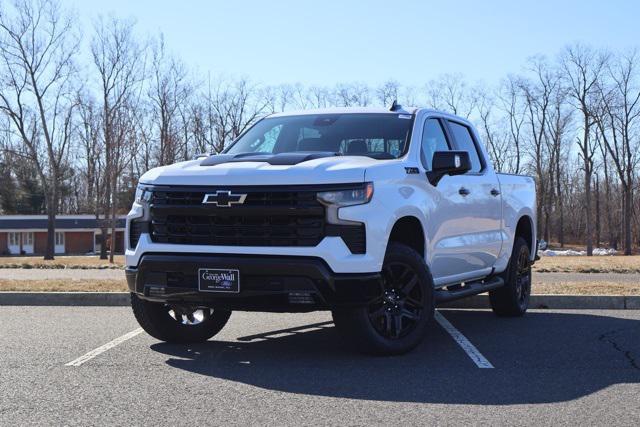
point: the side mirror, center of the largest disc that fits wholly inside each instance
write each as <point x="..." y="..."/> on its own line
<point x="448" y="163"/>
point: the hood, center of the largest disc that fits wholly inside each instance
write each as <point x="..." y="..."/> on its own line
<point x="259" y="171"/>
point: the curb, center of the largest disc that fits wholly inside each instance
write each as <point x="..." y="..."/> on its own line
<point x="572" y="302"/>
<point x="65" y="298"/>
<point x="117" y="299"/>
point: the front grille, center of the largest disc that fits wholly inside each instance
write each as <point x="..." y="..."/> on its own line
<point x="287" y="216"/>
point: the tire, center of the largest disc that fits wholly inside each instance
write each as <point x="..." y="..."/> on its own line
<point x="512" y="300"/>
<point x="406" y="294"/>
<point x="195" y="326"/>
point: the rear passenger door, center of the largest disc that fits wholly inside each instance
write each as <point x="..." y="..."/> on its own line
<point x="478" y="195"/>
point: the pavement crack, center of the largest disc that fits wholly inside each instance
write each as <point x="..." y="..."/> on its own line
<point x="609" y="337"/>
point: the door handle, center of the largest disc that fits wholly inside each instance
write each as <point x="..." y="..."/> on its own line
<point x="495" y="192"/>
<point x="463" y="191"/>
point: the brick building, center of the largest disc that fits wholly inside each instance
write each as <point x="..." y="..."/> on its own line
<point x="75" y="234"/>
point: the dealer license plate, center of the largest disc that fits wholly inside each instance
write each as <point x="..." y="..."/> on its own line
<point x="218" y="280"/>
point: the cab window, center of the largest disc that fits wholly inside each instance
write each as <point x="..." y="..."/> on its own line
<point x="464" y="142"/>
<point x="433" y="139"/>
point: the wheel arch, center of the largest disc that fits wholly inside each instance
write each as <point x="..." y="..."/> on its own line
<point x="409" y="231"/>
<point x="526" y="229"/>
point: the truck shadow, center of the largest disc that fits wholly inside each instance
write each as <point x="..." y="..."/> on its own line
<point x="541" y="358"/>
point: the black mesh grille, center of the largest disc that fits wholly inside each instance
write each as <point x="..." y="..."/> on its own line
<point x="354" y="236"/>
<point x="135" y="230"/>
<point x="268" y="217"/>
<point x="261" y="198"/>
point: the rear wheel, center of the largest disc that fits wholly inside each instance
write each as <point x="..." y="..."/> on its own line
<point x="178" y="323"/>
<point x="395" y="321"/>
<point x="512" y="299"/>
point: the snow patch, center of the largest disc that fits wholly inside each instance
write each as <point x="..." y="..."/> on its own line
<point x="569" y="252"/>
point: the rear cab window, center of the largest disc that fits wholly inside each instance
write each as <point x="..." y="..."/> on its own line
<point x="464" y="141"/>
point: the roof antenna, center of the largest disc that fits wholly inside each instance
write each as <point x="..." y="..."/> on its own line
<point x="395" y="106"/>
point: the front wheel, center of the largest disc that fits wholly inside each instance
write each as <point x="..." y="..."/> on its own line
<point x="512" y="300"/>
<point x="178" y="324"/>
<point x="395" y="321"/>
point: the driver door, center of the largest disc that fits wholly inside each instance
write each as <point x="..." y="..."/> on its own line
<point x="452" y="216"/>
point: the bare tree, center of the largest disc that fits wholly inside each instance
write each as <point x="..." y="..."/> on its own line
<point x="320" y="97"/>
<point x="617" y="123"/>
<point x="410" y="95"/>
<point x="538" y="95"/>
<point x="608" y="199"/>
<point x="169" y="90"/>
<point x="38" y="44"/>
<point x="243" y="109"/>
<point x="285" y="97"/>
<point x="199" y="124"/>
<point x="353" y="95"/>
<point x="388" y="92"/>
<point x="559" y="125"/>
<point x="583" y="67"/>
<point x="300" y="96"/>
<point x="92" y="150"/>
<point x="450" y="92"/>
<point x="509" y="95"/>
<point x="231" y="109"/>
<point x="119" y="61"/>
<point x="497" y="145"/>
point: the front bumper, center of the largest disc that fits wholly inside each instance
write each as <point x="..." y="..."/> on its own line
<point x="268" y="283"/>
<point x="332" y="250"/>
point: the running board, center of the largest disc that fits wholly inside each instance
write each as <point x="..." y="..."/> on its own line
<point x="471" y="288"/>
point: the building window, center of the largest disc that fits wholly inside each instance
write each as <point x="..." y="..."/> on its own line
<point x="27" y="239"/>
<point x="59" y="238"/>
<point x="14" y="239"/>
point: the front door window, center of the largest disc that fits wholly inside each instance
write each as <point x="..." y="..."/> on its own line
<point x="433" y="139"/>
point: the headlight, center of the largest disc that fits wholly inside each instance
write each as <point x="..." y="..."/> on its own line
<point x="143" y="195"/>
<point x="350" y="197"/>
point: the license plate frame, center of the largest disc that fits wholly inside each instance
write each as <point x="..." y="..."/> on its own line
<point x="219" y="280"/>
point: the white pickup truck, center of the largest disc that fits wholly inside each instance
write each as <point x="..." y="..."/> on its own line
<point x="377" y="215"/>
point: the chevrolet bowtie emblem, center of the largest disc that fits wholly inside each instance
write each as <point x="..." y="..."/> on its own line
<point x="224" y="199"/>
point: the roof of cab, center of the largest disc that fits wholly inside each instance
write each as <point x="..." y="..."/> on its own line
<point x="346" y="110"/>
<point x="372" y="110"/>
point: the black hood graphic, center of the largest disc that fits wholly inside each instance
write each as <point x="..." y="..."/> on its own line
<point x="273" y="159"/>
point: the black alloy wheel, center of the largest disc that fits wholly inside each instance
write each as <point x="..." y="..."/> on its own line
<point x="523" y="279"/>
<point x="395" y="321"/>
<point x="512" y="299"/>
<point x="397" y="311"/>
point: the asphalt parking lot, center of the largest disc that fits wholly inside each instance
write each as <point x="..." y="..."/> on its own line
<point x="61" y="365"/>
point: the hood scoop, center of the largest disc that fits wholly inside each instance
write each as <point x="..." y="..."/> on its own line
<point x="286" y="159"/>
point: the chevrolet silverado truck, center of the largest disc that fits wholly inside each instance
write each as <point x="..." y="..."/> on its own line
<point x="377" y="215"/>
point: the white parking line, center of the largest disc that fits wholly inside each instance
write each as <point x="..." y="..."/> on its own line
<point x="93" y="353"/>
<point x="464" y="343"/>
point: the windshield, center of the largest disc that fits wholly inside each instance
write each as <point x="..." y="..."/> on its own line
<point x="381" y="136"/>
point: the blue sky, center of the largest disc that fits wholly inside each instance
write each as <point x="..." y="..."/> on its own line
<point x="328" y="41"/>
